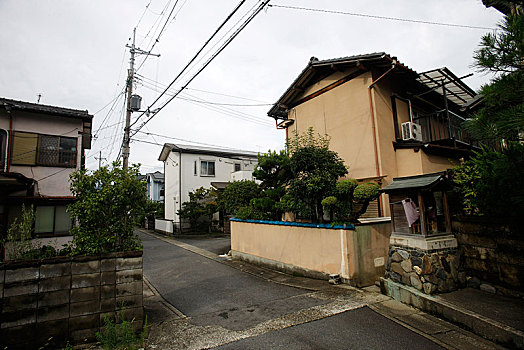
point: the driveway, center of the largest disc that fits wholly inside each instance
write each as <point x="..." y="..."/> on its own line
<point x="227" y="308"/>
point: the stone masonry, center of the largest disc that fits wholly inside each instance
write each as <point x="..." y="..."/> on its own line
<point x="55" y="300"/>
<point x="431" y="272"/>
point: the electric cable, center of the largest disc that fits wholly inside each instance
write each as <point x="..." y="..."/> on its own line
<point x="194" y="57"/>
<point x="224" y="45"/>
<point x="381" y="17"/>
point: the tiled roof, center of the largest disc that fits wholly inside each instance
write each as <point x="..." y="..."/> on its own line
<point x="457" y="92"/>
<point x="46" y="109"/>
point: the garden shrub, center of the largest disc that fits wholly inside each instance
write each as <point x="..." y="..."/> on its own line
<point x="492" y="183"/>
<point x="108" y="205"/>
<point x="238" y="194"/>
<point x="199" y="209"/>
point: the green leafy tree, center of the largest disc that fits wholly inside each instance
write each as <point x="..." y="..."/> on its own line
<point x="315" y="170"/>
<point x="492" y="183"/>
<point x="151" y="210"/>
<point x="273" y="170"/>
<point x="350" y="199"/>
<point x="200" y="209"/>
<point x="502" y="114"/>
<point x="238" y="194"/>
<point x="108" y="204"/>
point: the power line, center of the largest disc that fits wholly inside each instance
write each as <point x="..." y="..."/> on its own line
<point x="222" y="47"/>
<point x="174" y="138"/>
<point x="114" y="101"/>
<point x="143" y="13"/>
<point x="192" y="59"/>
<point x="205" y="54"/>
<point x="382" y="17"/>
<point x="217" y="93"/>
<point x="159" y="18"/>
<point x="142" y="77"/>
<point x="217" y="108"/>
<point x="159" y="35"/>
<point x="228" y="104"/>
<point x="151" y="81"/>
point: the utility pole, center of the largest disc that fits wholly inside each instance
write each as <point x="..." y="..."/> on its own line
<point x="100" y="160"/>
<point x="130" y="76"/>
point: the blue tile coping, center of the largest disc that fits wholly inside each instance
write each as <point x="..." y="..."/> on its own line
<point x="297" y="224"/>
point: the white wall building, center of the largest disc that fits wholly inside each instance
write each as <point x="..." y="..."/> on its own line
<point x="187" y="168"/>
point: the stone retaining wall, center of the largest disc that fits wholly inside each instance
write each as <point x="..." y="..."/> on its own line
<point x="427" y="271"/>
<point x="55" y="300"/>
<point x="491" y="251"/>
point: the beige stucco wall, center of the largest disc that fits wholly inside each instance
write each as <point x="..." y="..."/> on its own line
<point x="309" y="248"/>
<point x="344" y="114"/>
<point x="356" y="255"/>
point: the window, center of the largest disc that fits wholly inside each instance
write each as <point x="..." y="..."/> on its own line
<point x="24" y="148"/>
<point x="52" y="219"/>
<point x="195" y="168"/>
<point x="34" y="149"/>
<point x="207" y="168"/>
<point x="237" y="166"/>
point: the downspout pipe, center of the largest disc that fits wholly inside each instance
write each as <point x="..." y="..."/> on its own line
<point x="373" y="126"/>
<point x="372" y="112"/>
<point x="9" y="142"/>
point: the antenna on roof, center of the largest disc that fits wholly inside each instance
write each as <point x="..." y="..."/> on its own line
<point x="39" y="97"/>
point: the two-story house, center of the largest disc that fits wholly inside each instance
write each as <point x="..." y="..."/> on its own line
<point x="384" y="119"/>
<point x="41" y="146"/>
<point x="155" y="186"/>
<point x="189" y="167"/>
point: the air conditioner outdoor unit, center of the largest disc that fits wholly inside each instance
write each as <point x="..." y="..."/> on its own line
<point x="411" y="131"/>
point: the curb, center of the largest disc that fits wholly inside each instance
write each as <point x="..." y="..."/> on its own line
<point x="163" y="301"/>
<point x="478" y="324"/>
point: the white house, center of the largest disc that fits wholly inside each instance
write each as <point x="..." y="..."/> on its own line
<point x="187" y="168"/>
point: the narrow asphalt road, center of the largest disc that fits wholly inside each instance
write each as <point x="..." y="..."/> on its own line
<point x="230" y="309"/>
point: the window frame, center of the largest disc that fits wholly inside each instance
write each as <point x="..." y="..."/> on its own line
<point x="52" y="233"/>
<point x="39" y="151"/>
<point x="206" y="174"/>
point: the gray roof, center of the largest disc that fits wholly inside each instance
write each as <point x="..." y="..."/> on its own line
<point x="157" y="176"/>
<point x="457" y="91"/>
<point x="417" y="182"/>
<point x="46" y="109"/>
<point x="317" y="68"/>
<point x="193" y="149"/>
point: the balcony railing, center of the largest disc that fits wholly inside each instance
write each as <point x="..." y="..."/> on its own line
<point x="442" y="126"/>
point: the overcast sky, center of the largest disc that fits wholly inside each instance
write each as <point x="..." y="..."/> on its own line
<point x="73" y="53"/>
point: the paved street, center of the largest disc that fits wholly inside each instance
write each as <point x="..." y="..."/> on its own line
<point x="231" y="309"/>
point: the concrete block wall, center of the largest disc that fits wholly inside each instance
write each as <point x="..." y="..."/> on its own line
<point x="55" y="300"/>
<point x="491" y="250"/>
